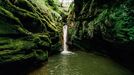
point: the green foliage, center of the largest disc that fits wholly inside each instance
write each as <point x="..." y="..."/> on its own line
<point x="111" y="20"/>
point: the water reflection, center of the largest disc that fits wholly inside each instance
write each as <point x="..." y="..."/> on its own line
<point x="82" y="63"/>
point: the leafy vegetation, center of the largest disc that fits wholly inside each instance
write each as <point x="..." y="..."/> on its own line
<point x="104" y="26"/>
<point x="111" y="20"/>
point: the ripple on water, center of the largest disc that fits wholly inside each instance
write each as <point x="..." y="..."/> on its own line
<point x="82" y="63"/>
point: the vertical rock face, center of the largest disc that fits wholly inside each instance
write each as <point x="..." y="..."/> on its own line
<point x="111" y="20"/>
<point x="27" y="28"/>
<point x="105" y="26"/>
<point x="109" y="23"/>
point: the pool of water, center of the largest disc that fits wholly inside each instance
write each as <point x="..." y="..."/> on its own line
<point x="82" y="63"/>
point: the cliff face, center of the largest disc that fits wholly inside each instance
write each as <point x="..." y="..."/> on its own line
<point x="104" y="26"/>
<point x="112" y="20"/>
<point x="27" y="29"/>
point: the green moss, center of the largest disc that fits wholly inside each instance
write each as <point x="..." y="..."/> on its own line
<point x="110" y="20"/>
<point x="25" y="29"/>
<point x="7" y="13"/>
<point x="16" y="50"/>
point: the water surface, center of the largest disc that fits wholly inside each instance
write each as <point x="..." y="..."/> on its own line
<point x="82" y="63"/>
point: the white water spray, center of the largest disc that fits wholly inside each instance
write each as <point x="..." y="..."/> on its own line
<point x="65" y="47"/>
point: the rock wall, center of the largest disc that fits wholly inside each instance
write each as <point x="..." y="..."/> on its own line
<point x="104" y="26"/>
<point x="27" y="29"/>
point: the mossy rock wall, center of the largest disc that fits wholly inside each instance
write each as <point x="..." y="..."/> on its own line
<point x="111" y="20"/>
<point x="104" y="26"/>
<point x="27" y="28"/>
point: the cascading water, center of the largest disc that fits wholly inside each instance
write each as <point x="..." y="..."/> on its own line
<point x="65" y="47"/>
<point x="65" y="4"/>
<point x="65" y="37"/>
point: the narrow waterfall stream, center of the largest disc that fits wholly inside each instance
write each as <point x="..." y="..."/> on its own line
<point x="65" y="38"/>
<point x="65" y="47"/>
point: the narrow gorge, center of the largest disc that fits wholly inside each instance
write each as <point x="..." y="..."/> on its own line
<point x="66" y="37"/>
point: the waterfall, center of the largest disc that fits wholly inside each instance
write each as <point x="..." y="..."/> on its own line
<point x="65" y="47"/>
<point x="65" y="38"/>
